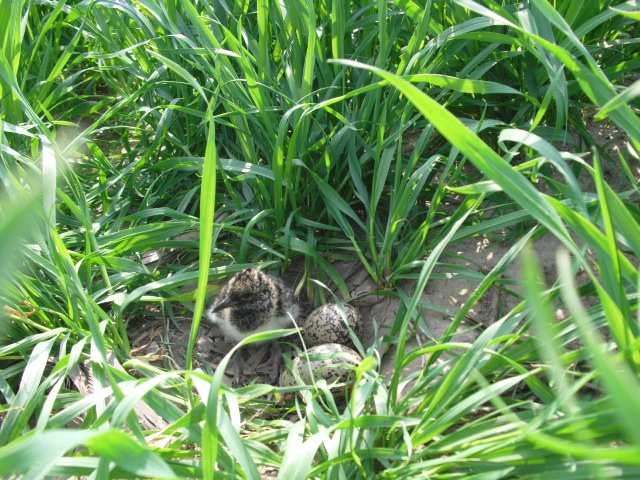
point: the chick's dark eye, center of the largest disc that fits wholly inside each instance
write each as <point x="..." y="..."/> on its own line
<point x="235" y="298"/>
<point x="239" y="298"/>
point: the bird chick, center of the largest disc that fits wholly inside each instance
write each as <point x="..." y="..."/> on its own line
<point x="251" y="302"/>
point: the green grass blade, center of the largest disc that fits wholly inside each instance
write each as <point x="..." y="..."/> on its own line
<point x="621" y="384"/>
<point x="34" y="455"/>
<point x="624" y="97"/>
<point x="207" y="210"/>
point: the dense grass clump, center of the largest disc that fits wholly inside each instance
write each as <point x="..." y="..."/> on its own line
<point x="151" y="148"/>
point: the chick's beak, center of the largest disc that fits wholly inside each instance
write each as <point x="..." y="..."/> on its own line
<point x="221" y="304"/>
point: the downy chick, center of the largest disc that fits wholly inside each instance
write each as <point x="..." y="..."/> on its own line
<point x="250" y="302"/>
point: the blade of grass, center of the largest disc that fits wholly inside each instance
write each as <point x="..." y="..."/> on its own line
<point x="618" y="380"/>
<point x="207" y="210"/>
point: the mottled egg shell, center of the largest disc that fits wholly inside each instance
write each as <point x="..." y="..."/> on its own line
<point x="332" y="362"/>
<point x="326" y="324"/>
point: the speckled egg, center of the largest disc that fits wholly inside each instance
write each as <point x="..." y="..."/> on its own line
<point x="332" y="362"/>
<point x="328" y="324"/>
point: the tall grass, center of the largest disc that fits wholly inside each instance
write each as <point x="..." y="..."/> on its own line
<point x="377" y="131"/>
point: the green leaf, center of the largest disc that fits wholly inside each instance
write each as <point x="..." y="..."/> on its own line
<point x="34" y="455"/>
<point x="624" y="97"/>
<point x="207" y="211"/>
<point x="31" y="377"/>
<point x="463" y="85"/>
<point x="125" y="452"/>
<point x="299" y="455"/>
<point x="620" y="382"/>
